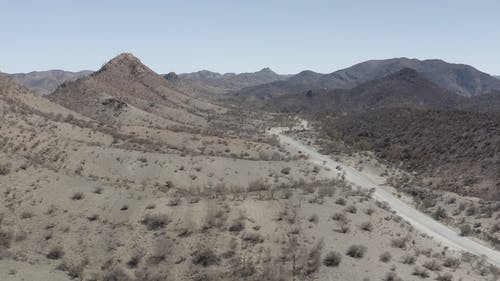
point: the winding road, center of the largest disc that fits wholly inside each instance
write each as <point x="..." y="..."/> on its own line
<point x="419" y="220"/>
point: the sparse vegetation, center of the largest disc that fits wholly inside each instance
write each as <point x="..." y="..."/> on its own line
<point x="356" y="251"/>
<point x="332" y="259"/>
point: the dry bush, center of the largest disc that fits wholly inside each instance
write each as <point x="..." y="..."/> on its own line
<point x="4" y="169"/>
<point x="339" y="217"/>
<point x="332" y="259"/>
<point x="162" y="250"/>
<point x="253" y="238"/>
<point x="215" y="217"/>
<point x="351" y="209"/>
<point x="452" y="262"/>
<point x="420" y="272"/>
<point x="366" y="226"/>
<point x="55" y="253"/>
<point x="326" y="191"/>
<point x="432" y="265"/>
<point x="5" y="239"/>
<point x="74" y="271"/>
<point x="205" y="257"/>
<point x="385" y="257"/>
<point x="399" y="242"/>
<point x="439" y="214"/>
<point x="465" y="230"/>
<point x="115" y="274"/>
<point x="77" y="196"/>
<point x="313" y="258"/>
<point x="343" y="226"/>
<point x="237" y="226"/>
<point x="155" y="221"/>
<point x="341" y="201"/>
<point x="286" y="170"/>
<point x="356" y="251"/>
<point x="408" y="259"/>
<point x="391" y="276"/>
<point x="313" y="218"/>
<point x="257" y="185"/>
<point x="369" y="211"/>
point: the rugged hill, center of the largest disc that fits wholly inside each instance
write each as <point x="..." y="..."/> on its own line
<point x="215" y="83"/>
<point x="126" y="91"/>
<point x="461" y="79"/>
<point x="405" y="88"/>
<point x="451" y="150"/>
<point x="44" y="82"/>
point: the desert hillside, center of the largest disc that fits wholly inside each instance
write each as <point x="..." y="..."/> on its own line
<point x="121" y="176"/>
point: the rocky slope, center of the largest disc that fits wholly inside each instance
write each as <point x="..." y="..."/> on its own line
<point x="124" y="91"/>
<point x="450" y="150"/>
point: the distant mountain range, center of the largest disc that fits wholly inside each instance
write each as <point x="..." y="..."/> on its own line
<point x="44" y="82"/>
<point x="461" y="79"/>
<point x="215" y="83"/>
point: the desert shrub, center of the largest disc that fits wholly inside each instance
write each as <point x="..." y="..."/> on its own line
<point x="408" y="259"/>
<point x="286" y="170"/>
<point x="351" y="209"/>
<point x="4" y="169"/>
<point x="439" y="213"/>
<point x="339" y="217"/>
<point x="369" y="211"/>
<point x="444" y="277"/>
<point x="115" y="274"/>
<point x="313" y="218"/>
<point x="133" y="261"/>
<point x="332" y="259"/>
<point x="314" y="258"/>
<point x="254" y="238"/>
<point x="420" y="272"/>
<point x="341" y="201"/>
<point x="26" y="215"/>
<point x="77" y="196"/>
<point x="452" y="262"/>
<point x="162" y="249"/>
<point x="432" y="265"/>
<point x="326" y="191"/>
<point x="343" y="226"/>
<point x="214" y="217"/>
<point x="391" y="276"/>
<point x="356" y="251"/>
<point x="237" y="226"/>
<point x="205" y="257"/>
<point x="156" y="221"/>
<point x="367" y="226"/>
<point x="5" y="239"/>
<point x="98" y="190"/>
<point x="385" y="257"/>
<point x="73" y="270"/>
<point x="257" y="185"/>
<point x="465" y="230"/>
<point x="55" y="253"/>
<point x="174" y="202"/>
<point x="399" y="243"/>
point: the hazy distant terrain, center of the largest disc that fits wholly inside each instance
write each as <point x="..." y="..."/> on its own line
<point x="461" y="79"/>
<point x="44" y="82"/>
<point x="215" y="83"/>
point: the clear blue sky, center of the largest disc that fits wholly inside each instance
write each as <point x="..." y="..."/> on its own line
<point x="237" y="36"/>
